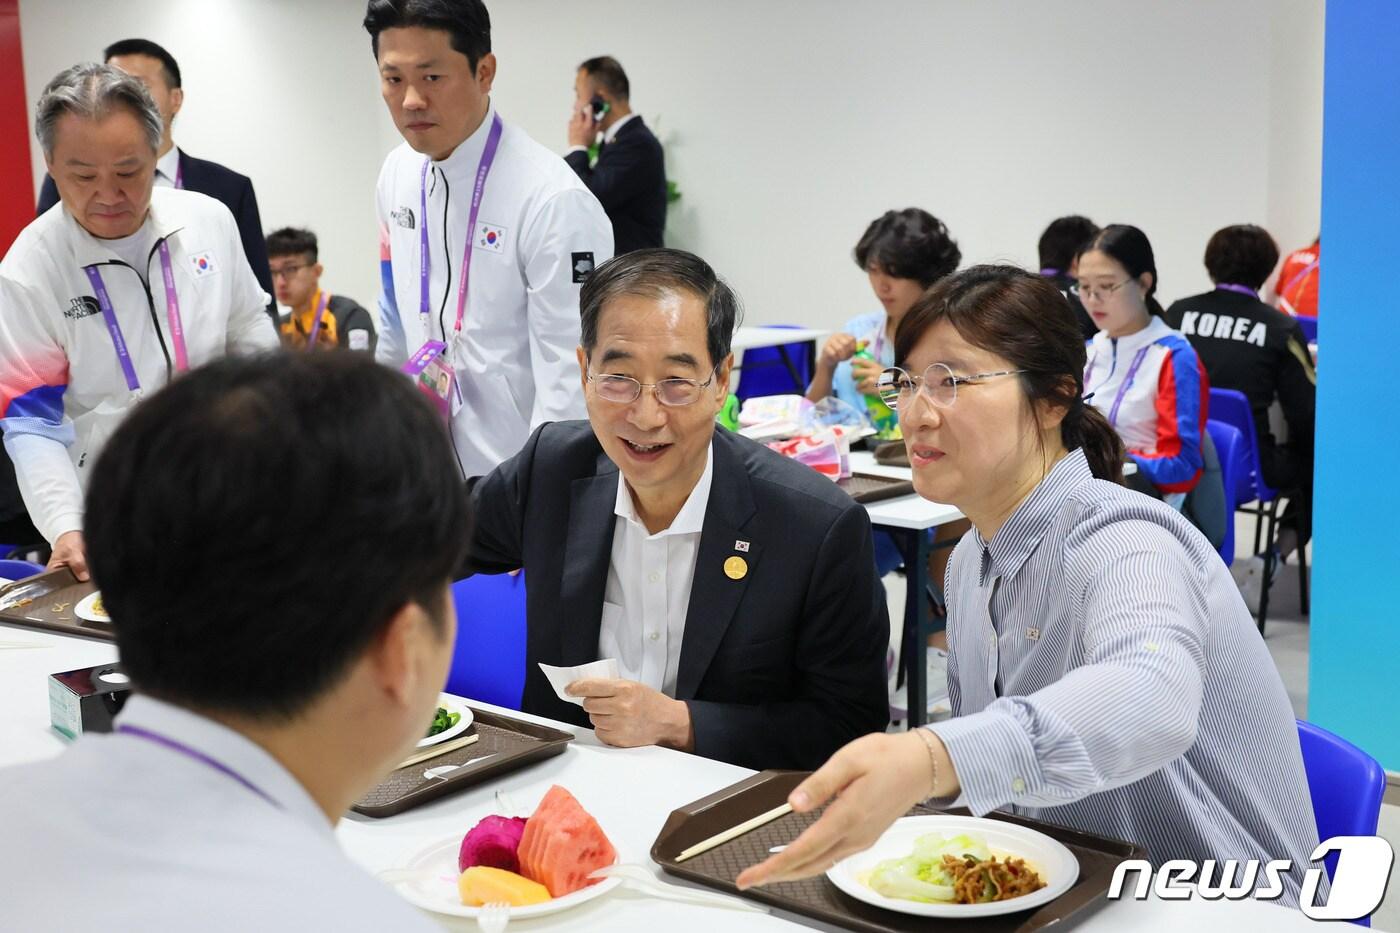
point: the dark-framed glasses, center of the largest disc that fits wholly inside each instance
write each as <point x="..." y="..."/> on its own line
<point x="625" y="390"/>
<point x="289" y="270"/>
<point x="939" y="384"/>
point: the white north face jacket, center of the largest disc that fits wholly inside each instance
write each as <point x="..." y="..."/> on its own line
<point x="539" y="232"/>
<point x="62" y="390"/>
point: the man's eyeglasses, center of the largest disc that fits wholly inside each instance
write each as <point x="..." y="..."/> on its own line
<point x="671" y="392"/>
<point x="1102" y="292"/>
<point x="290" y="269"/>
<point x="938" y="383"/>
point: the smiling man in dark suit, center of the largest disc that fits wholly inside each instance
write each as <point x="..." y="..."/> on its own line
<point x="159" y="71"/>
<point x="629" y="177"/>
<point x="735" y="588"/>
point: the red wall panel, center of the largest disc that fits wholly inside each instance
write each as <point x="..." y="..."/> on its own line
<point x="16" y="172"/>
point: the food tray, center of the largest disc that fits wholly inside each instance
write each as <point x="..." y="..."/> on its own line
<point x="892" y="453"/>
<point x="866" y="487"/>
<point x="510" y="743"/>
<point x="55" y="595"/>
<point x="819" y="899"/>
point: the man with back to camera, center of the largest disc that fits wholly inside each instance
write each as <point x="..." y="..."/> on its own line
<point x="109" y="295"/>
<point x="1059" y="254"/>
<point x="158" y="70"/>
<point x="485" y="236"/>
<point x="316" y="318"/>
<point x="281" y="667"/>
<point x="735" y="588"/>
<point x="630" y="174"/>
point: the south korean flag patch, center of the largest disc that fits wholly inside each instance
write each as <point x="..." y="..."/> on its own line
<point x="491" y="238"/>
<point x="203" y="263"/>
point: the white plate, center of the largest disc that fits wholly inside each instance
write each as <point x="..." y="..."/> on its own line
<point x="452" y="705"/>
<point x="85" y="611"/>
<point x="1057" y="865"/>
<point x="437" y="889"/>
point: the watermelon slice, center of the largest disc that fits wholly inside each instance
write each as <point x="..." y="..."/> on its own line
<point x="563" y="844"/>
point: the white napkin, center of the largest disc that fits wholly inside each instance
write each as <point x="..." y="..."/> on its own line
<point x="561" y="677"/>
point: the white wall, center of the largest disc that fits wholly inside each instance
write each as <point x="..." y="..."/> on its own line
<point x="790" y="124"/>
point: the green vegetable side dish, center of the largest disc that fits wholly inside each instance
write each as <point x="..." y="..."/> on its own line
<point x="442" y="721"/>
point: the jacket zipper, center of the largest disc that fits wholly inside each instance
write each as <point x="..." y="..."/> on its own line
<point x="150" y="301"/>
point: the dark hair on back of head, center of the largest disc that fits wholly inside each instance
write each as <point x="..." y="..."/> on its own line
<point x="1241" y="255"/>
<point x="607" y="71"/>
<point x="149" y="49"/>
<point x="652" y="273"/>
<point x="292" y="241"/>
<point x="255" y="524"/>
<point x="466" y="21"/>
<point x="908" y="244"/>
<point x="1133" y="251"/>
<point x="1062" y="240"/>
<point x="1025" y="320"/>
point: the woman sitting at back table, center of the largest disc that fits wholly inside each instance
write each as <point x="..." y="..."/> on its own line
<point x="1141" y="374"/>
<point x="1256" y="349"/>
<point x="1104" y="671"/>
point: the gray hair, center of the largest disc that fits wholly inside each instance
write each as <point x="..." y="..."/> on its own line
<point x="91" y="91"/>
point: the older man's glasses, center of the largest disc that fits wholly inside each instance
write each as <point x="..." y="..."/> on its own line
<point x="625" y="390"/>
<point x="939" y="384"/>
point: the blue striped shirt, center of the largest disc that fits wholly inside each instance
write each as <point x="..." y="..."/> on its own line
<point x="1105" y="674"/>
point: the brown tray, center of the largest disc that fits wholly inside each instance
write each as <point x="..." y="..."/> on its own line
<point x="511" y="743"/>
<point x="54" y="595"/>
<point x="892" y="453"/>
<point x="865" y="487"/>
<point x="821" y="900"/>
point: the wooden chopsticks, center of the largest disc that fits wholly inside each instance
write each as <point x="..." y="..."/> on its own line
<point x="432" y="751"/>
<point x="734" y="832"/>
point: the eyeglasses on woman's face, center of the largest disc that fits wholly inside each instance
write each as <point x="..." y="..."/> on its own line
<point x="1096" y="292"/>
<point x="939" y="384"/>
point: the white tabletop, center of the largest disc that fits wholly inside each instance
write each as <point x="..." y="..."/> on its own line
<point x="630" y="791"/>
<point x="751" y="338"/>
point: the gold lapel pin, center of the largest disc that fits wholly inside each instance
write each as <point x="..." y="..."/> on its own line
<point x="735" y="568"/>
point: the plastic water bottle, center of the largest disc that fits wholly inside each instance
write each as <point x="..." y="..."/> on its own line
<point x="885" y="421"/>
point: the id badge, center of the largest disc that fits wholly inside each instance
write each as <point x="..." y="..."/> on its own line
<point x="430" y="369"/>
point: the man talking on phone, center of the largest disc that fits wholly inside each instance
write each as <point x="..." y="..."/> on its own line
<point x="629" y="174"/>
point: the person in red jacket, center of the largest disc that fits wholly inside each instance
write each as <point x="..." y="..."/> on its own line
<point x="1296" y="285"/>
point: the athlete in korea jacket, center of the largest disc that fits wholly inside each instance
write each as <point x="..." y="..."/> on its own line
<point x="62" y="386"/>
<point x="539" y="232"/>
<point x="1153" y="390"/>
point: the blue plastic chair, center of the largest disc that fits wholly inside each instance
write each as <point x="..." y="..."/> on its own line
<point x="1254" y="496"/>
<point x="1346" y="786"/>
<point x="19" y="569"/>
<point x="1309" y="325"/>
<point x="1234" y="462"/>
<point x="488" y="660"/>
<point x="763" y="372"/>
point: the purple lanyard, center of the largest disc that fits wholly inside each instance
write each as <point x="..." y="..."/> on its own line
<point x="1127" y="383"/>
<point x="1051" y="273"/>
<point x="179" y="173"/>
<point x="172" y="310"/>
<point x="316" y="321"/>
<point x="483" y="168"/>
<point x="1231" y="287"/>
<point x="183" y="749"/>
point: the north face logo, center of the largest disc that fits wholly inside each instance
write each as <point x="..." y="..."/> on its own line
<point x="86" y="306"/>
<point x="403" y="216"/>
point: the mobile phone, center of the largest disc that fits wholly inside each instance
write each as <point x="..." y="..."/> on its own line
<point x="599" y="106"/>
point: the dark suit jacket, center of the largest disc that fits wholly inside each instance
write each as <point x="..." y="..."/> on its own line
<point x="630" y="181"/>
<point x="223" y="184"/>
<point x="780" y="668"/>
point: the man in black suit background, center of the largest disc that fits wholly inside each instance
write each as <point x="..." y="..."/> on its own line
<point x="735" y="588"/>
<point x="159" y="71"/>
<point x="629" y="177"/>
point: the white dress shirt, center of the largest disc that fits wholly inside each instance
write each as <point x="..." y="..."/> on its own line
<point x="121" y="833"/>
<point x="648" y="588"/>
<point x="167" y="167"/>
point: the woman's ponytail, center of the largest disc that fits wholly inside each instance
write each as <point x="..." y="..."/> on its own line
<point x="1086" y="427"/>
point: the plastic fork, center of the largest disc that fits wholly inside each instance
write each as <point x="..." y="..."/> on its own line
<point x="493" y="917"/>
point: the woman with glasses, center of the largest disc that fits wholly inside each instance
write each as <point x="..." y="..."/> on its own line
<point x="1143" y="375"/>
<point x="1104" y="671"/>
